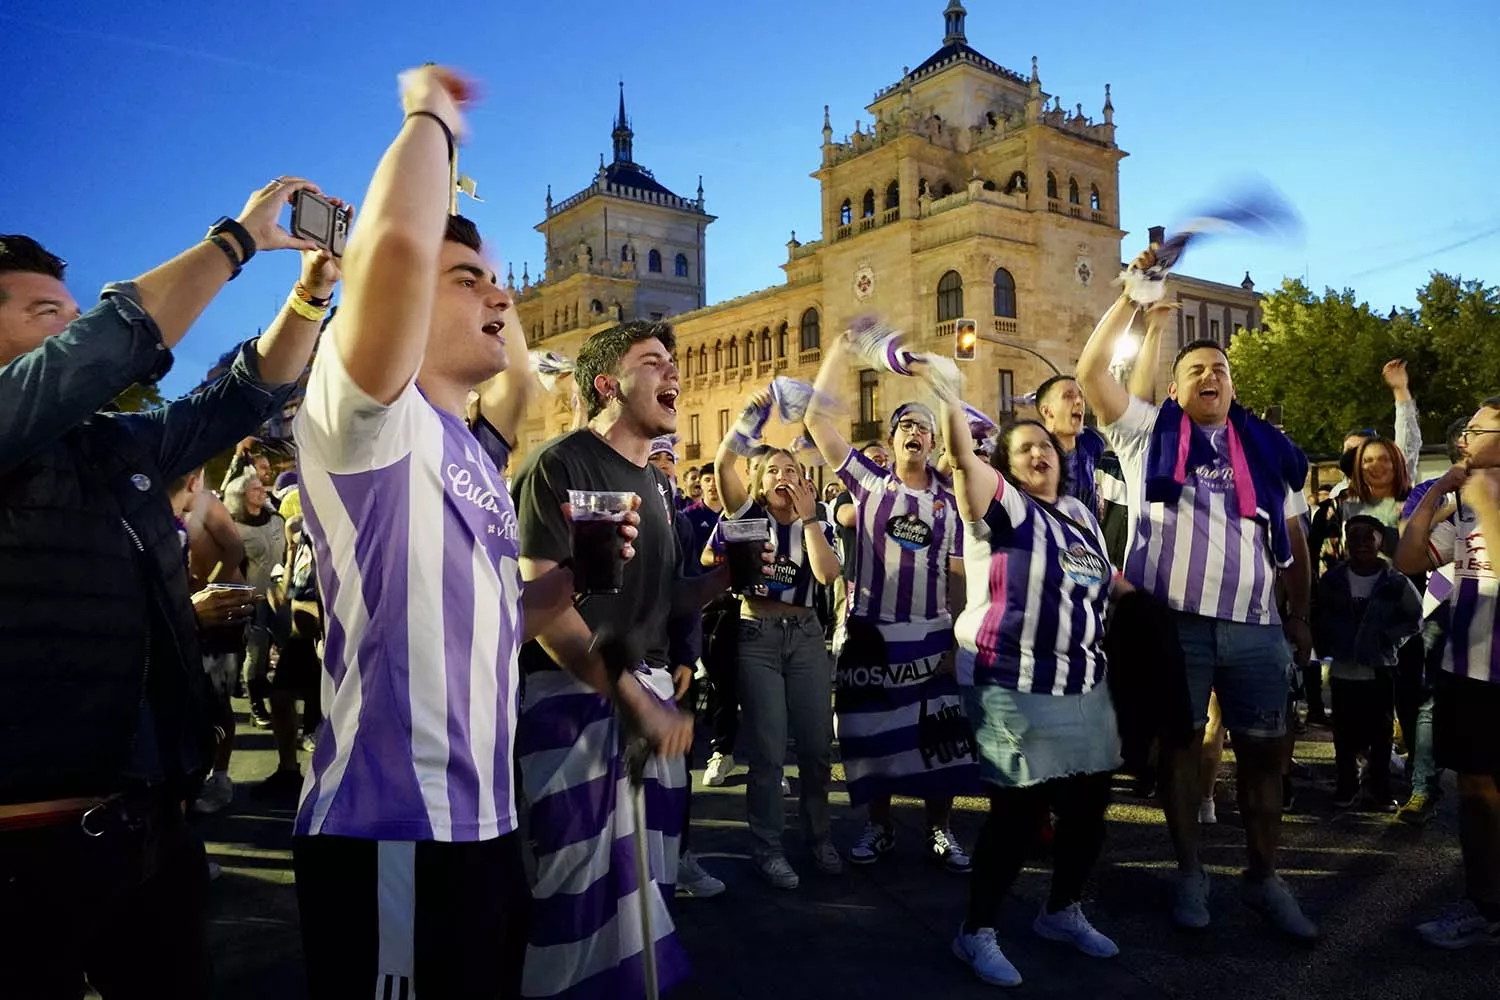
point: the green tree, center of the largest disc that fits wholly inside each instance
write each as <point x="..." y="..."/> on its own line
<point x="1320" y="360"/>
<point x="139" y="397"/>
<point x="1456" y="347"/>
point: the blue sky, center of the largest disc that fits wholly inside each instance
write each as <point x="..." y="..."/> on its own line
<point x="126" y="136"/>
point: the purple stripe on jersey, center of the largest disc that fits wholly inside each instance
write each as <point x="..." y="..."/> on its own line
<point x="380" y="756"/>
<point x="1229" y="581"/>
<point x="868" y="544"/>
<point x="507" y="705"/>
<point x="906" y="571"/>
<point x="1198" y="546"/>
<point x="937" y="568"/>
<point x="328" y="588"/>
<point x="1465" y="610"/>
<point x="934" y="643"/>
<point x="458" y="662"/>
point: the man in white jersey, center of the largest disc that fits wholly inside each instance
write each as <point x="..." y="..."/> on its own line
<point x="409" y="872"/>
<point x="1467" y="700"/>
<point x="1216" y="498"/>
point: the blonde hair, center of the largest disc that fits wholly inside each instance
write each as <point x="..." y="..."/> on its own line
<point x="758" y="473"/>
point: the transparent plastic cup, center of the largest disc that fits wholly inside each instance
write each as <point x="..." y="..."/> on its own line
<point x="745" y="544"/>
<point x="598" y="566"/>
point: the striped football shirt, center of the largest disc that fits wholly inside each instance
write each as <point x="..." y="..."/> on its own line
<point x="416" y="552"/>
<point x="1038" y="579"/>
<point x="1198" y="555"/>
<point x="791" y="580"/>
<point x="1474" y="599"/>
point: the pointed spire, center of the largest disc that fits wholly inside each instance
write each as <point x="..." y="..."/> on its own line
<point x="827" y="127"/>
<point x="510" y="275"/>
<point x="953" y="24"/>
<point x="1109" y="107"/>
<point x="1035" y="76"/>
<point x="1249" y="286"/>
<point x="623" y="136"/>
<point x="700" y="189"/>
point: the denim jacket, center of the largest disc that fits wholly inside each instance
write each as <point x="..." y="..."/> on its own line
<point x="1371" y="637"/>
<point x="101" y="680"/>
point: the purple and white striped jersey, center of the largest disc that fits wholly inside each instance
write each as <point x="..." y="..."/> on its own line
<point x="417" y="557"/>
<point x="902" y="541"/>
<point x="791" y="581"/>
<point x="1037" y="582"/>
<point x="1473" y="650"/>
<point x="1198" y="555"/>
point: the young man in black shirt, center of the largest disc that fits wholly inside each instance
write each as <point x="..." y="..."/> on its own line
<point x="570" y="736"/>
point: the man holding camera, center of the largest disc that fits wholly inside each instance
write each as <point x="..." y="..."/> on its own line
<point x="105" y="724"/>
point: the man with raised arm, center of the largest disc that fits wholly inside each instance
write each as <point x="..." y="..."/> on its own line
<point x="408" y="863"/>
<point x="106" y="723"/>
<point x="1216" y="497"/>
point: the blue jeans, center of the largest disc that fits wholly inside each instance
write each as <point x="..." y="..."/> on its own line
<point x="785" y="682"/>
<point x="1248" y="666"/>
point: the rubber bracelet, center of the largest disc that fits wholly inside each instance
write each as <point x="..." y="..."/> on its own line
<point x="234" y="258"/>
<point x="300" y="290"/>
<point x="306" y="311"/>
<point x="447" y="132"/>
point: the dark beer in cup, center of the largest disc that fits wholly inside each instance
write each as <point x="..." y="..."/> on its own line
<point x="598" y="566"/>
<point x="745" y="546"/>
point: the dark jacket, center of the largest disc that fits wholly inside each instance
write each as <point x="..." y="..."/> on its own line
<point x="101" y="682"/>
<point x="1365" y="634"/>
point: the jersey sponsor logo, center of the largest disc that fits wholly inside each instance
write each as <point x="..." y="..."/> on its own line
<point x="783" y="574"/>
<point x="1083" y="567"/>
<point x="909" y="531"/>
<point x="1219" y="478"/>
<point x="888" y="674"/>
<point x="468" y="489"/>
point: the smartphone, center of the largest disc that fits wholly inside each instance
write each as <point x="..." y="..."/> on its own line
<point x="242" y="587"/>
<point x="320" y="220"/>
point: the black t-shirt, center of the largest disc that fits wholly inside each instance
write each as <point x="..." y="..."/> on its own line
<point x="580" y="460"/>
<point x="844" y="535"/>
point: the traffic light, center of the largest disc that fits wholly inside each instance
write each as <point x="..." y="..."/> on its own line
<point x="965" y="339"/>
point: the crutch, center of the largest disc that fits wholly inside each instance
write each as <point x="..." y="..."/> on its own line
<point x="637" y="753"/>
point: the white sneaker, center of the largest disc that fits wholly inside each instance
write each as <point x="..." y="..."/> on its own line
<point x="719" y="766"/>
<point x="1191" y="908"/>
<point x="826" y="857"/>
<point x="217" y="792"/>
<point x="693" y="882"/>
<point x="877" y="839"/>
<point x="980" y="952"/>
<point x="944" y="848"/>
<point x="1274" y="901"/>
<point x="1070" y="926"/>
<point x="1207" y="813"/>
<point x="1460" y="926"/>
<point x="775" y="869"/>
<point x="786" y="787"/>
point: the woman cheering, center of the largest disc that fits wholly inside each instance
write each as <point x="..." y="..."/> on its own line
<point x="783" y="667"/>
<point x="1031" y="665"/>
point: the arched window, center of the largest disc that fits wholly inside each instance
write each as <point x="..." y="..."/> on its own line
<point x="749" y="347"/>
<point x="1094" y="202"/>
<point x="867" y="205"/>
<point x="781" y="341"/>
<point x="718" y="358"/>
<point x="921" y="186"/>
<point x="845" y="213"/>
<point x="624" y="252"/>
<point x="893" y="195"/>
<point x="653" y="262"/>
<point x="1005" y="294"/>
<point x="765" y="343"/>
<point x="702" y="360"/>
<point x="557" y="322"/>
<point x="950" y="297"/>
<point x="681" y="266"/>
<point x="1072" y="191"/>
<point x="1051" y="184"/>
<point x="811" y="333"/>
<point x="734" y="360"/>
<point x="542" y="328"/>
<point x="596" y="307"/>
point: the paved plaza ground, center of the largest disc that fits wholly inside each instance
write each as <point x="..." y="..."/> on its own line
<point x="885" y="931"/>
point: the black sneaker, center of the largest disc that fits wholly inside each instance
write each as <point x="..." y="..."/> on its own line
<point x="1288" y="795"/>
<point x="1345" y="798"/>
<point x="281" y="786"/>
<point x="259" y="717"/>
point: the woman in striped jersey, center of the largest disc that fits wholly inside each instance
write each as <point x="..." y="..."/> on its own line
<point x="1031" y="665"/>
<point x="900" y="720"/>
<point x="783" y="669"/>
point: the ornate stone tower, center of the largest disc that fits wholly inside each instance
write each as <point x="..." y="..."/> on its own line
<point x="625" y="247"/>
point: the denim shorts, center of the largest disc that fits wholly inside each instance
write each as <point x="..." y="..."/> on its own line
<point x="1248" y="666"/>
<point x="1027" y="738"/>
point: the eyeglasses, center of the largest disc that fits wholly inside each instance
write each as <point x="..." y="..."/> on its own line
<point x="913" y="427"/>
<point x="1473" y="431"/>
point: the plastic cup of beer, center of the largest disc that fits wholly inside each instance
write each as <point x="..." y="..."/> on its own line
<point x="745" y="545"/>
<point x="598" y="566"/>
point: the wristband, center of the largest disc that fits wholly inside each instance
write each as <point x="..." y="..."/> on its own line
<point x="301" y="292"/>
<point x="234" y="258"/>
<point x="447" y="132"/>
<point x="241" y="236"/>
<point x="306" y="311"/>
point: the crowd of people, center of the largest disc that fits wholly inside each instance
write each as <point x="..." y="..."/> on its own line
<point x="1020" y="613"/>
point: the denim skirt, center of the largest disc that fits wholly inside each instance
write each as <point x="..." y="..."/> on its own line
<point x="1026" y="739"/>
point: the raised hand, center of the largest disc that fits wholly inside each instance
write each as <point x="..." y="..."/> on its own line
<point x="804" y="499"/>
<point x="261" y="215"/>
<point x="440" y="91"/>
<point x="321" y="270"/>
<point x="1395" y="375"/>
